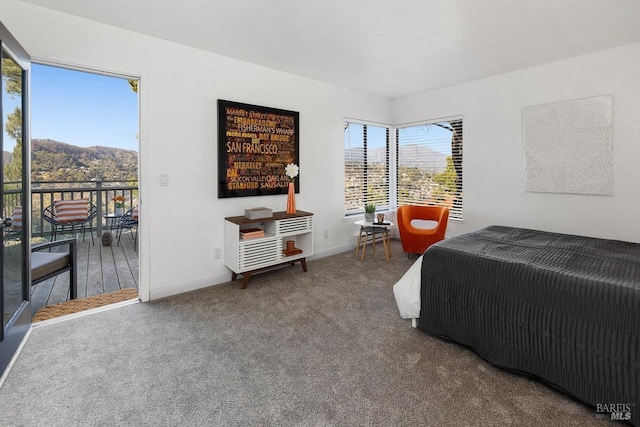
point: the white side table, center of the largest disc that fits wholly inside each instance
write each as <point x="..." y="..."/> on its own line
<point x="374" y="230"/>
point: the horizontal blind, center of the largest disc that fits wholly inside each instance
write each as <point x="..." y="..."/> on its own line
<point x="429" y="165"/>
<point x="366" y="158"/>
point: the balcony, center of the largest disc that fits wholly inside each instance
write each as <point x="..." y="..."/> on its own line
<point x="101" y="269"/>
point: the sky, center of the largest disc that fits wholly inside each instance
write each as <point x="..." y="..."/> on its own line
<point x="438" y="138"/>
<point x="81" y="109"/>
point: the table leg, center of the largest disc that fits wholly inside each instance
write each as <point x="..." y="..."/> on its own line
<point x="245" y="280"/>
<point x="389" y="244"/>
<point x="364" y="245"/>
<point x="385" y="243"/>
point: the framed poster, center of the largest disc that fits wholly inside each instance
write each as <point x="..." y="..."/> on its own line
<point x="255" y="144"/>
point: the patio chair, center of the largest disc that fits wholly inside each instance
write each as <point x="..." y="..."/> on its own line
<point x="129" y="221"/>
<point x="69" y="216"/>
<point x="45" y="265"/>
<point x="13" y="230"/>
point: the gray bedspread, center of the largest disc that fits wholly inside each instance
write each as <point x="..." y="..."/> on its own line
<point x="561" y="308"/>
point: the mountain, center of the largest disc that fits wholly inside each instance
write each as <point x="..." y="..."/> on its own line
<point x="57" y="161"/>
<point x="6" y="157"/>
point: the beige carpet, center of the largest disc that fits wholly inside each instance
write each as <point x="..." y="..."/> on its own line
<point x="321" y="348"/>
<point x="82" y="304"/>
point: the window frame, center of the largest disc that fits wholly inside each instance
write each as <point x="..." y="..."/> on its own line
<point x="390" y="175"/>
<point x="392" y="165"/>
<point x="456" y="213"/>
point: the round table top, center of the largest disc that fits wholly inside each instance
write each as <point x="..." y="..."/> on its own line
<point x="363" y="223"/>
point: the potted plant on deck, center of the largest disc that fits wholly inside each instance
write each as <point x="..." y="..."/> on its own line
<point x="118" y="202"/>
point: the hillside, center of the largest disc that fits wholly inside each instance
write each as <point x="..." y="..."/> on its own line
<point x="57" y="161"/>
<point x="6" y="157"/>
<point x="411" y="156"/>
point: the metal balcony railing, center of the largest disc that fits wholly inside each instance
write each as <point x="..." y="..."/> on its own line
<point x="98" y="192"/>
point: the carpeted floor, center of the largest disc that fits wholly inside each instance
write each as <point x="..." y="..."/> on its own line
<point x="322" y="348"/>
<point x="82" y="304"/>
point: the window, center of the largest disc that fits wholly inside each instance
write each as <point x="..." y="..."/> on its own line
<point x="366" y="165"/>
<point x="429" y="165"/>
<point x="425" y="169"/>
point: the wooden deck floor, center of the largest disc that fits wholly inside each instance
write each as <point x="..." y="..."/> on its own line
<point x="101" y="269"/>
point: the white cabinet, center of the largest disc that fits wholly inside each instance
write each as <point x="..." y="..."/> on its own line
<point x="250" y="255"/>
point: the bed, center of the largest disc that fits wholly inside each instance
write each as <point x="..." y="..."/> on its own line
<point x="561" y="308"/>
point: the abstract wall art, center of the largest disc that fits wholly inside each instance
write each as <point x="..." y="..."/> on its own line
<point x="568" y="146"/>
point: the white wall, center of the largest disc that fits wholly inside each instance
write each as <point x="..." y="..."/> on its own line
<point x="493" y="156"/>
<point x="182" y="224"/>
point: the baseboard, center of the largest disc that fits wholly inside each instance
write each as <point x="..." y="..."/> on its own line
<point x="182" y="287"/>
<point x="167" y="291"/>
<point x="332" y="251"/>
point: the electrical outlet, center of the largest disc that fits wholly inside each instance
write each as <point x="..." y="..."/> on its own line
<point x="326" y="234"/>
<point x="217" y="253"/>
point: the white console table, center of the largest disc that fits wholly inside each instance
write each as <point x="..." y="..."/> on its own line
<point x="248" y="256"/>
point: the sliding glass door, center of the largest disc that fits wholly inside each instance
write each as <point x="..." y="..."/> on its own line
<point x="15" y="208"/>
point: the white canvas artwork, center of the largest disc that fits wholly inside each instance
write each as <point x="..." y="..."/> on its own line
<point x="568" y="147"/>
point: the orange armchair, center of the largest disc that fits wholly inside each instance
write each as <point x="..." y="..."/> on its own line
<point x="417" y="240"/>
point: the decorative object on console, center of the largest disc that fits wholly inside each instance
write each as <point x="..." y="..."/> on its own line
<point x="291" y="199"/>
<point x="258" y="213"/>
<point x="292" y="170"/>
<point x="291" y="249"/>
<point x="251" y="233"/>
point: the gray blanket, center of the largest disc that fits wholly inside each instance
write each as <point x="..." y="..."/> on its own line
<point x="564" y="309"/>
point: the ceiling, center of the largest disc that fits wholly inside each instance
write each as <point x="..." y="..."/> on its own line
<point x="383" y="47"/>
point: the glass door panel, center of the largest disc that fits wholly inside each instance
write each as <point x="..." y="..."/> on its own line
<point x="11" y="191"/>
<point x="15" y="206"/>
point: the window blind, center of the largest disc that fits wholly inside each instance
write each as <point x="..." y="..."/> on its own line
<point x="429" y="165"/>
<point x="366" y="154"/>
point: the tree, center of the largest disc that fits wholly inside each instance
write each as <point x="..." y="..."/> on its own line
<point x="448" y="178"/>
<point x="12" y="76"/>
<point x="133" y="84"/>
<point x="13" y="169"/>
<point x="455" y="126"/>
